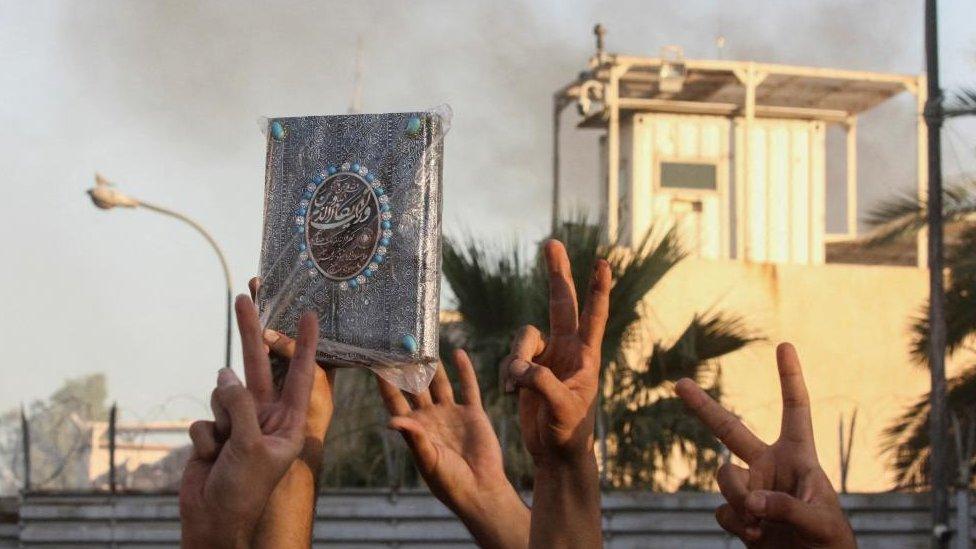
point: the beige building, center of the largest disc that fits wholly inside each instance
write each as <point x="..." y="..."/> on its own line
<point x="733" y="154"/>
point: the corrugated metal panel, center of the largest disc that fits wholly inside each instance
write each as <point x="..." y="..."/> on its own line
<point x="785" y="209"/>
<point x="416" y="519"/>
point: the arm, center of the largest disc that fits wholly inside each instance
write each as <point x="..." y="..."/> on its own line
<point x="289" y="516"/>
<point x="458" y="455"/>
<point x="240" y="457"/>
<point x="783" y="498"/>
<point x="558" y="382"/>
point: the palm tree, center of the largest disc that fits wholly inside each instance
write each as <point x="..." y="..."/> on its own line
<point x="641" y="425"/>
<point x="906" y="440"/>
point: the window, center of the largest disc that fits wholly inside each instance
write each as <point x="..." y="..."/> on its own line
<point x="689" y="175"/>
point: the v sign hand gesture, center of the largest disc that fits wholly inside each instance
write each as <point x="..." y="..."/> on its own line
<point x="783" y="498"/>
<point x="558" y="381"/>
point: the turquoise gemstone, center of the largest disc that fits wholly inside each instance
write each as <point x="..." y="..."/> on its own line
<point x="332" y="170"/>
<point x="384" y="242"/>
<point x="385" y="207"/>
<point x="353" y="283"/>
<point x="378" y="258"/>
<point x="355" y="167"/>
<point x="302" y="246"/>
<point x="318" y="179"/>
<point x="409" y="343"/>
<point x="370" y="177"/>
<point x="367" y="273"/>
<point x="413" y="125"/>
<point x="387" y="225"/>
<point x="277" y="130"/>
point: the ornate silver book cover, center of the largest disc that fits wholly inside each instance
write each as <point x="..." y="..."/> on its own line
<point x="352" y="230"/>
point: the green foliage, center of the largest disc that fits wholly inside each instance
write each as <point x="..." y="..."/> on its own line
<point x="906" y="440"/>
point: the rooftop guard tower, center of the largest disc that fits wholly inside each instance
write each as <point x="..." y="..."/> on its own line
<point x="732" y="152"/>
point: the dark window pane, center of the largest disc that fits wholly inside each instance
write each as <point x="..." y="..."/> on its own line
<point x="686" y="175"/>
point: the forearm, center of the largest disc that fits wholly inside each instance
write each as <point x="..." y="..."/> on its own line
<point x="566" y="504"/>
<point x="289" y="516"/>
<point x="498" y="521"/>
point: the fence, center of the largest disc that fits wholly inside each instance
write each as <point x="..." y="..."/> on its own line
<point x="414" y="518"/>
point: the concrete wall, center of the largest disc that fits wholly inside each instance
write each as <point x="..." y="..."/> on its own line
<point x="850" y="325"/>
<point x="415" y="519"/>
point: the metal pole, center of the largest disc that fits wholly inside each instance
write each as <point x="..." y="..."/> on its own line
<point x="25" y="440"/>
<point x="113" y="414"/>
<point x="223" y="265"/>
<point x="557" y="108"/>
<point x="938" y="432"/>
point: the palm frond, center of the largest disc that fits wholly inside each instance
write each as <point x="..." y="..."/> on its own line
<point x="707" y="337"/>
<point x="961" y="102"/>
<point x="636" y="273"/>
<point x="490" y="288"/>
<point x="906" y="442"/>
<point x="905" y="215"/>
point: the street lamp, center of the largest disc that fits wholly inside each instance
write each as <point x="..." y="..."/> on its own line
<point x="105" y="196"/>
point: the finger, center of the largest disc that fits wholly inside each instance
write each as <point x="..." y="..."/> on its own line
<point x="782" y="507"/>
<point x="797" y="425"/>
<point x="297" y="389"/>
<point x="440" y="386"/>
<point x="593" y="321"/>
<point x="733" y="482"/>
<point x="396" y="404"/>
<point x="541" y="380"/>
<point x="204" y="439"/>
<point x="527" y="344"/>
<point x="470" y="391"/>
<point x="563" y="315"/>
<point x="733" y="523"/>
<point x="257" y="368"/>
<point x="239" y="405"/>
<point x="720" y="421"/>
<point x="421" y="399"/>
<point x="423" y="450"/>
<point x="225" y="376"/>
<point x="279" y="344"/>
<point x="253" y="286"/>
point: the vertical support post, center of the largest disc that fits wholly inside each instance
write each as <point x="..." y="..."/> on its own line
<point x="613" y="155"/>
<point x="26" y="443"/>
<point x="112" y="418"/>
<point x="852" y="177"/>
<point x="938" y="430"/>
<point x="750" y="78"/>
<point x="922" y="138"/>
<point x="557" y="108"/>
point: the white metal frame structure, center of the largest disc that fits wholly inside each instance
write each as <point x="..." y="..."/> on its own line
<point x="615" y="86"/>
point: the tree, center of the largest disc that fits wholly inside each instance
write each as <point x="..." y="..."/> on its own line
<point x="906" y="440"/>
<point x="641" y="424"/>
<point x="60" y="436"/>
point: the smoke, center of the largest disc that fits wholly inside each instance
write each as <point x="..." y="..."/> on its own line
<point x="163" y="97"/>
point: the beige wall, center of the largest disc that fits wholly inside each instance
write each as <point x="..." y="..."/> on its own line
<point x="850" y="326"/>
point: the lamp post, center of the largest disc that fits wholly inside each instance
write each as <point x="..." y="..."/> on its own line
<point x="105" y="196"/>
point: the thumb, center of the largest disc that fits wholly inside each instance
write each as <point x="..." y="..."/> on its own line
<point x="782" y="507"/>
<point x="542" y="381"/>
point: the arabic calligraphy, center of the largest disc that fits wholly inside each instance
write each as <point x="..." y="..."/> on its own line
<point x="343" y="226"/>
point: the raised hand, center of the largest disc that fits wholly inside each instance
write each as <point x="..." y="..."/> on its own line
<point x="239" y="458"/>
<point x="289" y="515"/>
<point x="783" y="498"/>
<point x="458" y="455"/>
<point x="559" y="378"/>
<point x="558" y="382"/>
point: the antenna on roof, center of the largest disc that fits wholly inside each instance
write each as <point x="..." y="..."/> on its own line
<point x="599" y="31"/>
<point x="356" y="105"/>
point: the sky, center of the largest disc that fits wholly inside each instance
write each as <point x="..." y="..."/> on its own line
<point x="164" y="98"/>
